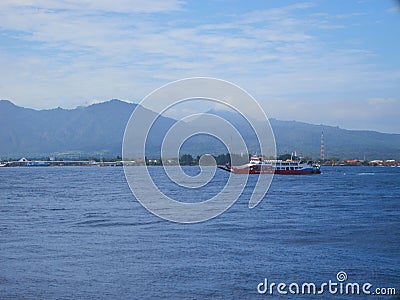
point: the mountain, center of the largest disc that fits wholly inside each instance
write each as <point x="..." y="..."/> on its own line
<point x="97" y="130"/>
<point x="339" y="143"/>
<point x="305" y="139"/>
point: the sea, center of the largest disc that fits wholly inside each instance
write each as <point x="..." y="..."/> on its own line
<point x="79" y="233"/>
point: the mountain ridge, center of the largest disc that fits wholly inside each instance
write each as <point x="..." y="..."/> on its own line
<point x="97" y="130"/>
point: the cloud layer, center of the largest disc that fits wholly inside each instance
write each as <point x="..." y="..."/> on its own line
<point x="303" y="61"/>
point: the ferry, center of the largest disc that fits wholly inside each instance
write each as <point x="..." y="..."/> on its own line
<point x="259" y="165"/>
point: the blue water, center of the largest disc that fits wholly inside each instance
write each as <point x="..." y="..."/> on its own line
<point x="77" y="232"/>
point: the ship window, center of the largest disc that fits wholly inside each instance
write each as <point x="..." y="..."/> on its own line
<point x="287" y="168"/>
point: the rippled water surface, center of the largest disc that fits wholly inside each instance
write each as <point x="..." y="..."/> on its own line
<point x="77" y="232"/>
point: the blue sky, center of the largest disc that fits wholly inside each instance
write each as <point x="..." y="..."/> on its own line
<point x="323" y="62"/>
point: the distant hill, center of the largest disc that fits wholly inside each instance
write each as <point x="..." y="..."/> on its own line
<point x="305" y="139"/>
<point x="339" y="143"/>
<point x="97" y="130"/>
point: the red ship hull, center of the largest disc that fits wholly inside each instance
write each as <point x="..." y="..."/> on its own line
<point x="269" y="170"/>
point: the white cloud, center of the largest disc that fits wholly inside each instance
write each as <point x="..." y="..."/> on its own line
<point x="68" y="52"/>
<point x="120" y="6"/>
<point x="383" y="101"/>
<point x="394" y="9"/>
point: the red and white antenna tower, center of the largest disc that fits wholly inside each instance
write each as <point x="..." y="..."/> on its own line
<point x="322" y="147"/>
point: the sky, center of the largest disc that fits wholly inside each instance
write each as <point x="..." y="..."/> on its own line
<point x="322" y="62"/>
